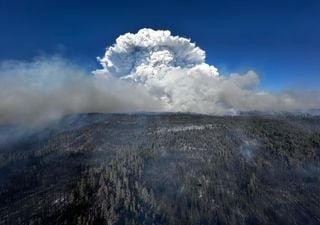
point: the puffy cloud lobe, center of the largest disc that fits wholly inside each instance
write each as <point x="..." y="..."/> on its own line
<point x="150" y="53"/>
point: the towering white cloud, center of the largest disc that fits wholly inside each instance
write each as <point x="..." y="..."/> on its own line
<point x="173" y="70"/>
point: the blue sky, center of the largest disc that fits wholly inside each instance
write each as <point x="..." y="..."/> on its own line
<point x="278" y="39"/>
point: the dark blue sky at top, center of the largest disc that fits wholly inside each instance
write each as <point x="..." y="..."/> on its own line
<point x="278" y="39"/>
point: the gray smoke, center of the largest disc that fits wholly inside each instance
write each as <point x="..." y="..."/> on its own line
<point x="47" y="89"/>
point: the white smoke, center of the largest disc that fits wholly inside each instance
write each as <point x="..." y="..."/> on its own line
<point x="173" y="69"/>
<point x="147" y="71"/>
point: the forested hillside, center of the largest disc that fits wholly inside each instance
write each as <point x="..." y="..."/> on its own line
<point x="162" y="169"/>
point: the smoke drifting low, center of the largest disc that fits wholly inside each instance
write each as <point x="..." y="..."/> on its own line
<point x="147" y="71"/>
<point x="47" y="89"/>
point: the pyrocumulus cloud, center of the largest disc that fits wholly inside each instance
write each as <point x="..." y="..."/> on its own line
<point x="173" y="70"/>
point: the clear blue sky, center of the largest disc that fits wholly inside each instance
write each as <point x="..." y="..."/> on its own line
<point x="279" y="39"/>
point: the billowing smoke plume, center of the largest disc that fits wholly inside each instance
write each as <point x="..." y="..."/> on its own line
<point x="49" y="88"/>
<point x="174" y="71"/>
<point x="147" y="71"/>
